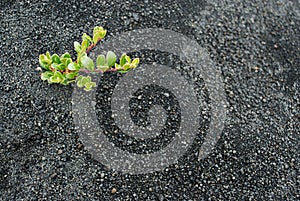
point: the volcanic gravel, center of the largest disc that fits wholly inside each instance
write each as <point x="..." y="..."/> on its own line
<point x="254" y="43"/>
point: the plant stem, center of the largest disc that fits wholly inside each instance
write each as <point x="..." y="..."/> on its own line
<point x="92" y="46"/>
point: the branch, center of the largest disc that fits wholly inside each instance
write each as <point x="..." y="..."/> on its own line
<point x="92" y="46"/>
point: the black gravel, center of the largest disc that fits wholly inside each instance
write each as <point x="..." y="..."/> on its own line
<point x="255" y="44"/>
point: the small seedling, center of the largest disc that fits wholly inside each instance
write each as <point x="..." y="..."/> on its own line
<point x="63" y="70"/>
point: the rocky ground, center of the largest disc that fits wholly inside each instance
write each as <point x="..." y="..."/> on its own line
<point x="254" y="43"/>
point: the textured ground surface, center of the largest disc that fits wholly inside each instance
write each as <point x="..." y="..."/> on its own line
<point x="255" y="44"/>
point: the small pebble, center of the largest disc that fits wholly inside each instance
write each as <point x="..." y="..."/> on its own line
<point x="113" y="191"/>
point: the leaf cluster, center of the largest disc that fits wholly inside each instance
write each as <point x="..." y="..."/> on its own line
<point x="63" y="70"/>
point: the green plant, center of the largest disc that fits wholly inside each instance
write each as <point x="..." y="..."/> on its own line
<point x="63" y="70"/>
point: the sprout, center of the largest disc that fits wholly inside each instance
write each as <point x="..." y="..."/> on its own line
<point x="63" y="70"/>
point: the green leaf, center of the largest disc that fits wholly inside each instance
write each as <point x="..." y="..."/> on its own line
<point x="48" y="55"/>
<point x="65" y="55"/>
<point x="111" y="58"/>
<point x="44" y="62"/>
<point x="55" y="79"/>
<point x="128" y="59"/>
<point x="135" y="62"/>
<point x="89" y="86"/>
<point x="96" y="38"/>
<point x="70" y="81"/>
<point x="66" y="82"/>
<point x="82" y="80"/>
<point x="98" y="34"/>
<point x="84" y="45"/>
<point x="83" y="54"/>
<point x="103" y="68"/>
<point x="87" y="37"/>
<point x="72" y="66"/>
<point x="87" y="79"/>
<point x="43" y="58"/>
<point x="59" y="74"/>
<point x="126" y="66"/>
<point x="46" y="75"/>
<point x="71" y="76"/>
<point x="97" y="29"/>
<point x="117" y="66"/>
<point x="79" y="84"/>
<point x="102" y="63"/>
<point x="54" y="65"/>
<point x="103" y="33"/>
<point x="55" y="59"/>
<point x="123" y="71"/>
<point x="123" y="59"/>
<point x="87" y="63"/>
<point x="66" y="61"/>
<point x="77" y="47"/>
<point x="60" y="66"/>
<point x="100" y="60"/>
<point x="79" y="78"/>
